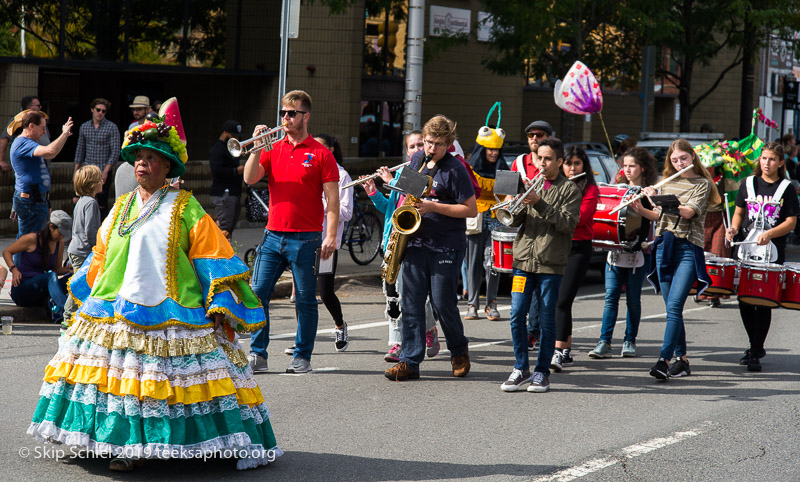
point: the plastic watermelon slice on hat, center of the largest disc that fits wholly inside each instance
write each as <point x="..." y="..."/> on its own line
<point x="172" y="116"/>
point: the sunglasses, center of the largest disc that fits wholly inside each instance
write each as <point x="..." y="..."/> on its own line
<point x="99" y="110"/>
<point x="291" y="113"/>
<point x="540" y="135"/>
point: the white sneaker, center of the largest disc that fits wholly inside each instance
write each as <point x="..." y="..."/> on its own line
<point x="516" y="380"/>
<point x="257" y="363"/>
<point x="557" y="363"/>
<point x="289" y="351"/>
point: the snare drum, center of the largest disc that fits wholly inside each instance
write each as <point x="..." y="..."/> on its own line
<point x="502" y="246"/>
<point x="622" y="229"/>
<point x="722" y="272"/>
<point x="760" y="284"/>
<point x="791" y="288"/>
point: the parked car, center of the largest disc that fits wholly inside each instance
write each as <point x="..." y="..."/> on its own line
<point x="603" y="164"/>
<point x="658" y="142"/>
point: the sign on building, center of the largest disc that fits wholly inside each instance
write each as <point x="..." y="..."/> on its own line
<point x="448" y="21"/>
<point x="484" y="28"/>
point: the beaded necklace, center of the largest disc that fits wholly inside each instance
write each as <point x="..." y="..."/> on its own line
<point x="130" y="227"/>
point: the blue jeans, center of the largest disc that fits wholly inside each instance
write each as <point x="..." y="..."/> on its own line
<point x="675" y="293"/>
<point x="543" y="287"/>
<point x="633" y="279"/>
<point x="32" y="216"/>
<point x="277" y="251"/>
<point x="36" y="291"/>
<point x="436" y="273"/>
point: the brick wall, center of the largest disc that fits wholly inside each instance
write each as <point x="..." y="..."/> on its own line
<point x="16" y="81"/>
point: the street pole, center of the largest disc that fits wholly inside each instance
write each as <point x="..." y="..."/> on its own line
<point x="414" y="44"/>
<point x="285" y="9"/>
<point x="648" y="70"/>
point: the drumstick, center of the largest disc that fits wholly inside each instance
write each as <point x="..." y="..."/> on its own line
<point x="726" y="219"/>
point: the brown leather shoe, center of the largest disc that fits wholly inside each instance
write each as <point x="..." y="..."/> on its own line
<point x="460" y="365"/>
<point x="401" y="373"/>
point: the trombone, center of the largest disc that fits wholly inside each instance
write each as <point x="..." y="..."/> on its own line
<point x="254" y="144"/>
<point x="373" y="176"/>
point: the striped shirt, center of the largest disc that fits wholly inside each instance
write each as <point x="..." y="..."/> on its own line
<point x="693" y="193"/>
<point x="99" y="146"/>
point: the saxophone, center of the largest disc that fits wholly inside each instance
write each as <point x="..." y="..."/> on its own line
<point x="406" y="220"/>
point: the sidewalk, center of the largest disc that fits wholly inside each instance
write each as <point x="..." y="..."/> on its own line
<point x="243" y="239"/>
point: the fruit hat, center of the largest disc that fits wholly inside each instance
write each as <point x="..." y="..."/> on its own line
<point x="488" y="137"/>
<point x="162" y="133"/>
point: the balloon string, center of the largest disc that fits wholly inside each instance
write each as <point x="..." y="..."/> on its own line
<point x="602" y="123"/>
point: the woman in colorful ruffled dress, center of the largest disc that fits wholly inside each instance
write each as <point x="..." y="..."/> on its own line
<point x="151" y="366"/>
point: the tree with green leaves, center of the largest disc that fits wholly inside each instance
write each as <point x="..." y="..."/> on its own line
<point x="692" y="33"/>
<point x="542" y="39"/>
<point x="101" y="29"/>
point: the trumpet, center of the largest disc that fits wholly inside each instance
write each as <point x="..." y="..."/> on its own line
<point x="507" y="209"/>
<point x="373" y="176"/>
<point x="238" y="148"/>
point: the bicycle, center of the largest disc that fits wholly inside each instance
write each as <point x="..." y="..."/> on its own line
<point x="364" y="236"/>
<point x="257" y="212"/>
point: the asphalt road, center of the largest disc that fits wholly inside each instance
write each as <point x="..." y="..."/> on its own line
<point x="602" y="419"/>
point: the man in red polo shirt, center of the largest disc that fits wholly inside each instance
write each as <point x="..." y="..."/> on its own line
<point x="298" y="170"/>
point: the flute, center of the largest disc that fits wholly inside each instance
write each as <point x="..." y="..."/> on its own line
<point x="373" y="176"/>
<point x="641" y="195"/>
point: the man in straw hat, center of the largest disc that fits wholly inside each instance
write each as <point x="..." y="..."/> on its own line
<point x="29" y="102"/>
<point x="32" y="185"/>
<point x="140" y="107"/>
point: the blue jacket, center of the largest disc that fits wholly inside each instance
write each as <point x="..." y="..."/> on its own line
<point x="667" y="270"/>
<point x="387" y="207"/>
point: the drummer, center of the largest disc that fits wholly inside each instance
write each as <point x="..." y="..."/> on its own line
<point x="768" y="182"/>
<point x="625" y="267"/>
<point x="485" y="161"/>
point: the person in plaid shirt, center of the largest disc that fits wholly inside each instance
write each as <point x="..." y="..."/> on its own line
<point x="98" y="145"/>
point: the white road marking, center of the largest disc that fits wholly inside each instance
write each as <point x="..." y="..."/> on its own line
<point x="323" y="369"/>
<point x="629" y="452"/>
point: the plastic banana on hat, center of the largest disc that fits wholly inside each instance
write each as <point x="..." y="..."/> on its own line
<point x="488" y="137"/>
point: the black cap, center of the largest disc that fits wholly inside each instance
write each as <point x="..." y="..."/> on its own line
<point x="232" y="127"/>
<point x="542" y="125"/>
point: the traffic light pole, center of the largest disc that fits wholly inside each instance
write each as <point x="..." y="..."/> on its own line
<point x="412" y="117"/>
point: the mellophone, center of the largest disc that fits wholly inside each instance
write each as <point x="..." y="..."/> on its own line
<point x="755" y="283"/>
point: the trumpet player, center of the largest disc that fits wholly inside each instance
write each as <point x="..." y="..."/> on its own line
<point x="526" y="165"/>
<point x="298" y="170"/>
<point x="541" y="250"/>
<point x="435" y="251"/>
